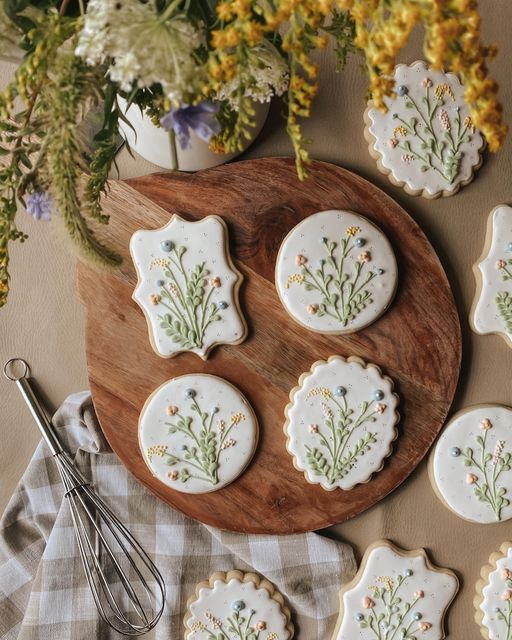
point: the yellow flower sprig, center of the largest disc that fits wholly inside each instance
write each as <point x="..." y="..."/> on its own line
<point x="452" y="42"/>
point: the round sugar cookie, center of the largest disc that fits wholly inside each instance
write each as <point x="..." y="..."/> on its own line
<point x="471" y="464"/>
<point x="336" y="272"/>
<point x="426" y="141"/>
<point x="197" y="433"/>
<point x="341" y="422"/>
<point x="238" y="606"/>
<point x="493" y="600"/>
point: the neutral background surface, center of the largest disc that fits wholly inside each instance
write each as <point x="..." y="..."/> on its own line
<point x="43" y="320"/>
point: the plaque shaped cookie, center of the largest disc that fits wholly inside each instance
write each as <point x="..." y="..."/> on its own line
<point x="426" y="141"/>
<point x="471" y="465"/>
<point x="237" y="606"/>
<point x="341" y="422"/>
<point x="395" y="594"/>
<point x="492" y="308"/>
<point x="197" y="433"/>
<point x="493" y="600"/>
<point x="188" y="286"/>
<point x="336" y="272"/>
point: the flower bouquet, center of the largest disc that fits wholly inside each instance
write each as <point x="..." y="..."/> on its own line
<point x="191" y="65"/>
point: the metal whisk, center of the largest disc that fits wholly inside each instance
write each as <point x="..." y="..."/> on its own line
<point x="127" y="588"/>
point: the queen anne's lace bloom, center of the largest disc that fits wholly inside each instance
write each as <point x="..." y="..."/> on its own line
<point x="142" y="47"/>
<point x="265" y="75"/>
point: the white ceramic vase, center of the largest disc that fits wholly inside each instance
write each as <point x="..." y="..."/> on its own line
<point x="153" y="142"/>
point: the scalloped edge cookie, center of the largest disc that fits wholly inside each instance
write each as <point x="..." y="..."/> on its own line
<point x="405" y="554"/>
<point x="371" y="140"/>
<point x="483" y="581"/>
<point x="298" y="387"/>
<point x="258" y="581"/>
<point x="234" y="297"/>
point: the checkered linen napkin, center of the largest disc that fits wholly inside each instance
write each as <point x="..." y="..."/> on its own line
<point x="43" y="589"/>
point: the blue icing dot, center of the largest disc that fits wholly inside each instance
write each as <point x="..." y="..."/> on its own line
<point x="340" y="391"/>
<point x="359" y="617"/>
<point x="496" y="609"/>
<point x="417" y="615"/>
<point x="167" y="245"/>
<point x="323" y="240"/>
<point x="160" y="283"/>
<point x="402" y="90"/>
<point x="190" y="393"/>
<point x="395" y="116"/>
<point x="359" y="242"/>
<point x="408" y="573"/>
<point x="223" y="305"/>
<point x="238" y="605"/>
<point x="215" y="410"/>
<point x="378" y="395"/>
<point x="380" y="272"/>
<point x="455" y="452"/>
<point x="509" y="246"/>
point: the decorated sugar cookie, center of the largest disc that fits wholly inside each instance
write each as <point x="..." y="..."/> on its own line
<point x="237" y="606"/>
<point x="188" y="286"/>
<point x="492" y="308"/>
<point x="341" y="422"/>
<point x="336" y="272"/>
<point x="493" y="600"/>
<point x="471" y="465"/>
<point x="197" y="433"/>
<point x="426" y="141"/>
<point x="395" y="594"/>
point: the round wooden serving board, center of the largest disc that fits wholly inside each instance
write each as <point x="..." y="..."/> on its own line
<point x="417" y="342"/>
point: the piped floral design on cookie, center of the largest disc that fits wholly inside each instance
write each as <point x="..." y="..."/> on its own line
<point x="188" y="286"/>
<point x="426" y="141"/>
<point x="395" y="594"/>
<point x="493" y="601"/>
<point x="341" y="422"/>
<point x="335" y="272"/>
<point x="237" y="606"/>
<point x="492" y="309"/>
<point x="197" y="433"/>
<point x="471" y="467"/>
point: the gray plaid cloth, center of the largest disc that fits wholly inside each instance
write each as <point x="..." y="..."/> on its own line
<point x="43" y="589"/>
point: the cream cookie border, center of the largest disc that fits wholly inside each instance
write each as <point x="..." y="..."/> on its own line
<point x="371" y="140"/>
<point x="298" y="387"/>
<point x="430" y="465"/>
<point x="198" y="375"/>
<point x="405" y="554"/>
<point x="483" y="581"/>
<point x="480" y="281"/>
<point x="241" y="576"/>
<point x="236" y="288"/>
<point x="346" y="331"/>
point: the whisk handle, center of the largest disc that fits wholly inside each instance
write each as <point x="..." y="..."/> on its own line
<point x="22" y="380"/>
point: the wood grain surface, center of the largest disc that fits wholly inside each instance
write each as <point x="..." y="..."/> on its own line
<point x="417" y="342"/>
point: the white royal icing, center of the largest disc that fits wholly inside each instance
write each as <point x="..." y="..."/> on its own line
<point x="188" y="286"/>
<point x="328" y="283"/>
<point x="341" y="422"/>
<point x="493" y="308"/>
<point x="426" y="138"/>
<point x="221" y="609"/>
<point x="472" y="464"/>
<point x="496" y="602"/>
<point x="396" y="595"/>
<point x="197" y="433"/>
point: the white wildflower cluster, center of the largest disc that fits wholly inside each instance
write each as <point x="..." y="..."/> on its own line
<point x="143" y="47"/>
<point x="266" y="74"/>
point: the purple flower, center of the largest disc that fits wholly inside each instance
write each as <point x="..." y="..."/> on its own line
<point x="39" y="205"/>
<point x="201" y="118"/>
